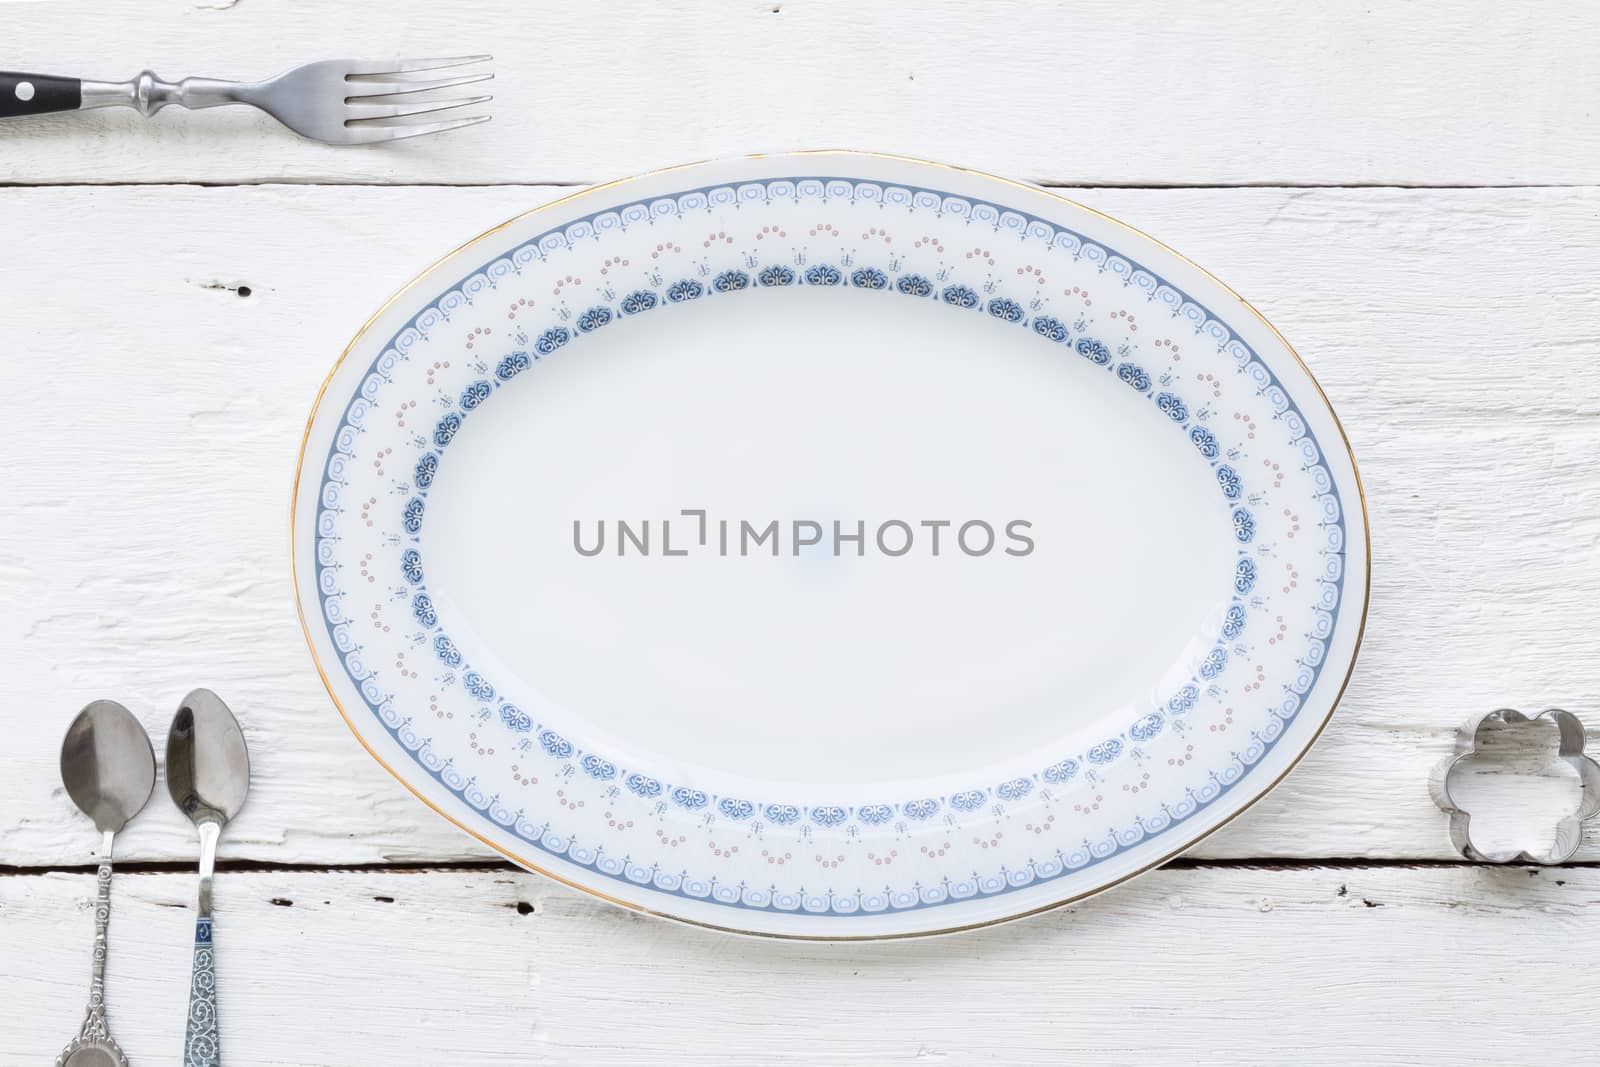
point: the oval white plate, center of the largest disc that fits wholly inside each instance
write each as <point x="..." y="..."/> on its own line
<point x="829" y="545"/>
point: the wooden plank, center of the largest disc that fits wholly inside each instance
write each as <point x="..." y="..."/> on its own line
<point x="155" y="414"/>
<point x="1096" y="91"/>
<point x="1369" y="966"/>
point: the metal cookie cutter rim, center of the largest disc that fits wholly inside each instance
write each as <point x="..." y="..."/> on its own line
<point x="1569" y="832"/>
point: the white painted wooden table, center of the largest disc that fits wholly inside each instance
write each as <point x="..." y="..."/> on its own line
<point x="1408" y="191"/>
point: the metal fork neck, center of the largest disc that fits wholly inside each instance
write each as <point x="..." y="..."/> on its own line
<point x="148" y="94"/>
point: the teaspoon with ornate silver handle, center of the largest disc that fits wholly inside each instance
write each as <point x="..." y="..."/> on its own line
<point x="208" y="775"/>
<point x="109" y="770"/>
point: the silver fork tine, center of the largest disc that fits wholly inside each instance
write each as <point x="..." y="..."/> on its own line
<point x="404" y="88"/>
<point x="365" y="134"/>
<point x="408" y="66"/>
<point x="362" y="114"/>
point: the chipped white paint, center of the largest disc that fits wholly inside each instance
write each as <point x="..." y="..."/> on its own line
<point x="1093" y="91"/>
<point x="1454" y="331"/>
<point x="1450" y="328"/>
<point x="1315" y="967"/>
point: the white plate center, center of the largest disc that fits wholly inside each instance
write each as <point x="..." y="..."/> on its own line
<point x="823" y="406"/>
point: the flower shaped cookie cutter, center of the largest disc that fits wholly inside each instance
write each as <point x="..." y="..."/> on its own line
<point x="1569" y="831"/>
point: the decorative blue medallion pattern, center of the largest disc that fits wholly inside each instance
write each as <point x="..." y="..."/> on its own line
<point x="1165" y="722"/>
<point x="202" y="1046"/>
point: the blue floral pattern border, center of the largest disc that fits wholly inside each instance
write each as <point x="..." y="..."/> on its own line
<point x="826" y="814"/>
<point x="710" y="199"/>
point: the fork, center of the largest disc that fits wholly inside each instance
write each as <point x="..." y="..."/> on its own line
<point x="336" y="101"/>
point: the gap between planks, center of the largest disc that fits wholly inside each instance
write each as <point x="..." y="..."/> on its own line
<point x="552" y="183"/>
<point x="1183" y="863"/>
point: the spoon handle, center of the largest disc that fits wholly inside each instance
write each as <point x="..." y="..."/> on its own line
<point x="93" y="1043"/>
<point x="94" y="1023"/>
<point x="202" y="1044"/>
<point x="201" y="1047"/>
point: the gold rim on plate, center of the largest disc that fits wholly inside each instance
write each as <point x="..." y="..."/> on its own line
<point x="524" y="862"/>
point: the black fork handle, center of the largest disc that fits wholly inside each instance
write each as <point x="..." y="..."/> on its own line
<point x="37" y="94"/>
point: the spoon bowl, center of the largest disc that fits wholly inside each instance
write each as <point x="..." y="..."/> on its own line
<point x="208" y="763"/>
<point x="107" y="765"/>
